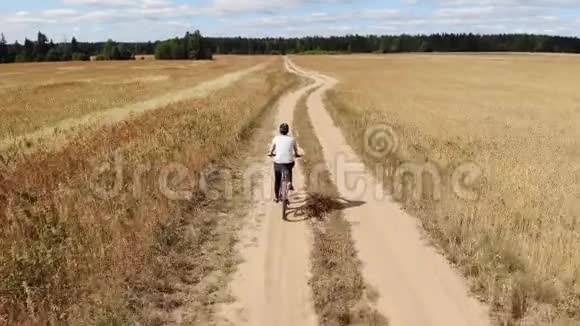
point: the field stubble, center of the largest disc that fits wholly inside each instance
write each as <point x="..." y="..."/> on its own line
<point x="68" y="256"/>
<point x="40" y="95"/>
<point x="517" y="118"/>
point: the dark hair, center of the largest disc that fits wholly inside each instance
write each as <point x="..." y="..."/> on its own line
<point x="284" y="129"/>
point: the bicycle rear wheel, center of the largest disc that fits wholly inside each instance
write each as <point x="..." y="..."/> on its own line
<point x="284" y="209"/>
<point x="284" y="193"/>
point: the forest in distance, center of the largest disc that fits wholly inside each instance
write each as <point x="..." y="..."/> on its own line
<point x="195" y="46"/>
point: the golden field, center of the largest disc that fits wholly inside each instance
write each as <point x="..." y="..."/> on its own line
<point x="518" y="118"/>
<point x="40" y="95"/>
<point x="71" y="252"/>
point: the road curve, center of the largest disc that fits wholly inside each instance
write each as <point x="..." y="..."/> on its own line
<point x="417" y="286"/>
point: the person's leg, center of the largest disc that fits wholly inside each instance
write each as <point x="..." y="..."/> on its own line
<point x="290" y="167"/>
<point x="277" y="181"/>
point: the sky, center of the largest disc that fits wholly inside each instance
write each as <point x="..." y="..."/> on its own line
<point x="144" y="20"/>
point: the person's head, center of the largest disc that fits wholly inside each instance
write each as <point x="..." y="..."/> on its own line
<point x="284" y="129"/>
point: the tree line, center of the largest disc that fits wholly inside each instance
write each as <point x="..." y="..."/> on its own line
<point x="193" y="46"/>
<point x="42" y="49"/>
<point x="397" y="44"/>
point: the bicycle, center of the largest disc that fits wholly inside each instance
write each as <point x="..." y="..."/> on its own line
<point x="284" y="189"/>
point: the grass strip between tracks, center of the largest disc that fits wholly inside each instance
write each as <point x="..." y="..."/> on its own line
<point x="341" y="296"/>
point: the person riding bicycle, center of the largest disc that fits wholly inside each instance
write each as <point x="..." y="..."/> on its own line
<point x="285" y="151"/>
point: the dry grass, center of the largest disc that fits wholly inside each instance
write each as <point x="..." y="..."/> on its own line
<point x="69" y="256"/>
<point x="340" y="294"/>
<point x="515" y="116"/>
<point x="40" y="95"/>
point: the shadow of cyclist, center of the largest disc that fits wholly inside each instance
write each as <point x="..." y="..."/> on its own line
<point x="306" y="206"/>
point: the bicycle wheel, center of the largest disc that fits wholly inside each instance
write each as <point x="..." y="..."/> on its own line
<point x="284" y="208"/>
<point x="284" y="193"/>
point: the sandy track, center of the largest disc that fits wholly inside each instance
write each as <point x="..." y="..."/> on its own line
<point x="417" y="286"/>
<point x="54" y="136"/>
<point x="271" y="285"/>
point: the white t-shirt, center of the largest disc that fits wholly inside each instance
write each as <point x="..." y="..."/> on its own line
<point x="284" y="149"/>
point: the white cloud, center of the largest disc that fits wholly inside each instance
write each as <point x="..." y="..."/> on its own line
<point x="465" y="12"/>
<point x="103" y="3"/>
<point x="157" y="3"/>
<point x="234" y="6"/>
<point x="510" y="3"/>
<point x="60" y="13"/>
<point x="29" y="20"/>
<point x="149" y="19"/>
<point x="264" y="6"/>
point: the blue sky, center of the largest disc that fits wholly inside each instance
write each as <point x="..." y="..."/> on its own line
<point x="140" y="20"/>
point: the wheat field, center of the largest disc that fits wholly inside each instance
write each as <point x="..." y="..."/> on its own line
<point x="518" y="118"/>
<point x="40" y="95"/>
<point x="515" y="117"/>
<point x="73" y="252"/>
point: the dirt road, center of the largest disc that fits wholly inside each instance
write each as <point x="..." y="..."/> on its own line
<point x="271" y="285"/>
<point x="417" y="286"/>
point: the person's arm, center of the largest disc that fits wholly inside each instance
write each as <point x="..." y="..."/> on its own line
<point x="296" y="154"/>
<point x="273" y="148"/>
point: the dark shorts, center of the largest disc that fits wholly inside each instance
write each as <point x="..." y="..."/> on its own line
<point x="278" y="168"/>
